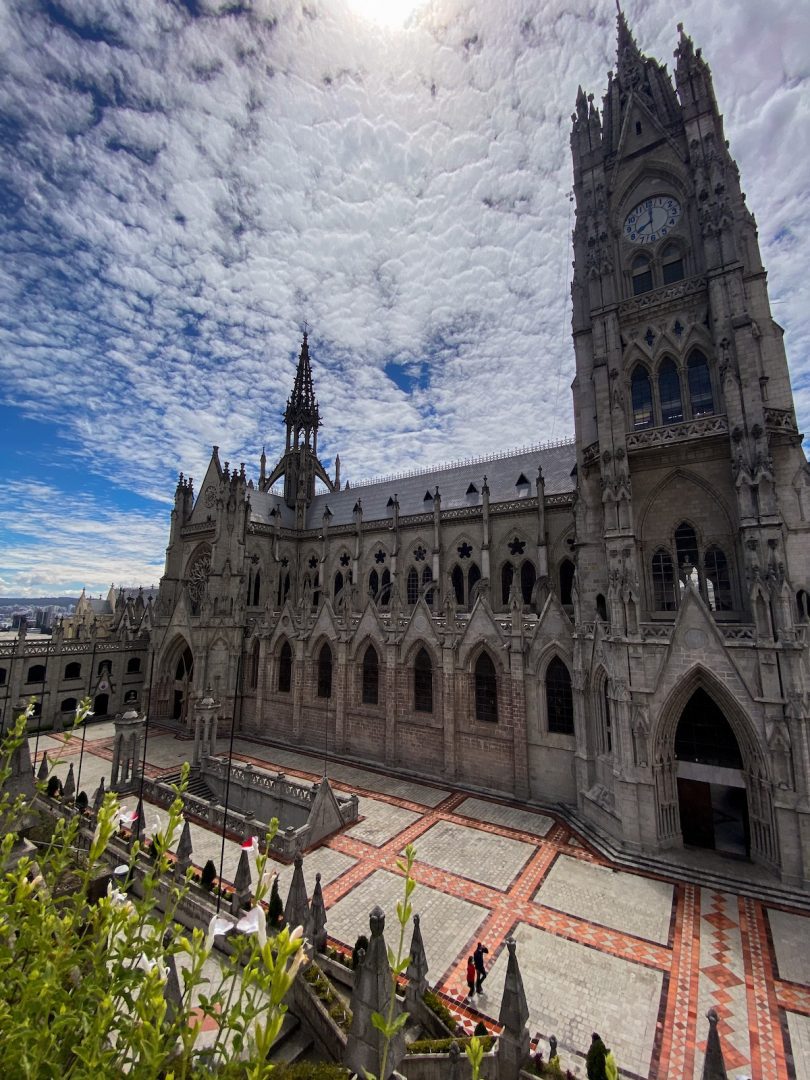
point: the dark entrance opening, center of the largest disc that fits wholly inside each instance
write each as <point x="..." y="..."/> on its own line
<point x="101" y="704"/>
<point x="182" y="680"/>
<point x="711" y="785"/>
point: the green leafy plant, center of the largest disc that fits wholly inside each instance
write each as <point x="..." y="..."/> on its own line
<point x="84" y="972"/>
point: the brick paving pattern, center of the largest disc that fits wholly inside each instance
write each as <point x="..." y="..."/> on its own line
<point x="638" y="957"/>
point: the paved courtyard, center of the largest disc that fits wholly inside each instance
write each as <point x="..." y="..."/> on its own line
<point x="639" y="958"/>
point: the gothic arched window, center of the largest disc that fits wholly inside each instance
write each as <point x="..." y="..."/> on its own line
<point x="257" y="588"/>
<point x="73" y="671"/>
<point x="671" y="264"/>
<point x="36" y="673"/>
<point x="663" y="580"/>
<point x="325" y="672"/>
<point x="641" y="394"/>
<point x="371" y="676"/>
<point x="457" y="580"/>
<point x="385" y="588"/>
<point x="283" y="588"/>
<point x="802" y="607"/>
<point x="669" y="393"/>
<point x="718" y="581"/>
<point x="601" y="607"/>
<point x="700" y="385"/>
<point x="473" y="577"/>
<point x="559" y="698"/>
<point x="427" y="577"/>
<point x="423" y="682"/>
<point x="338" y="586"/>
<point x="566" y="582"/>
<point x="641" y="271"/>
<point x="528" y="576"/>
<point x="686" y="548"/>
<point x="486" y="689"/>
<point x="133" y="666"/>
<point x="285" y="668"/>
<point x="507" y="573"/>
<point x="607" y="729"/>
<point x="412" y="586"/>
<point x="373" y="584"/>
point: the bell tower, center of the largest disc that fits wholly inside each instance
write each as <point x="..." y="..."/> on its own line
<point x="690" y="472"/>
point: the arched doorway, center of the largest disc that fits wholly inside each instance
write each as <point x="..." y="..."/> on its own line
<point x="712" y="797"/>
<point x="101" y="704"/>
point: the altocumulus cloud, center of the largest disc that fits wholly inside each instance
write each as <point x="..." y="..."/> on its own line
<point x="184" y="185"/>
<point x="58" y="546"/>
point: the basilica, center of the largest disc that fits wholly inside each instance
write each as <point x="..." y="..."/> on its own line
<point x="618" y="624"/>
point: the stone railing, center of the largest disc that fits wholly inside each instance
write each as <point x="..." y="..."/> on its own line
<point x="676" y="433"/>
<point x="246" y="776"/>
<point x="640" y="305"/>
<point x="70" y="647"/>
<point x="286" y="843"/>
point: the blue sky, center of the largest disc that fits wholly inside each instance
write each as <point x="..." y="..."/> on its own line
<point x="183" y="185"/>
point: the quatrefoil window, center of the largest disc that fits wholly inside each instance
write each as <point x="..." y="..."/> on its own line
<point x="285" y="561"/>
<point x="313" y="562"/>
<point x="379" y="556"/>
<point x="464" y="550"/>
<point x="344" y="560"/>
<point x="517" y="547"/>
<point x="419" y="554"/>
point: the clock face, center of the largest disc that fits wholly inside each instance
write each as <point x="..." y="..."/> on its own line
<point x="652" y="219"/>
<point x="210" y="495"/>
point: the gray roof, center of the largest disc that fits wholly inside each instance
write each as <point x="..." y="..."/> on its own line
<point x="453" y="481"/>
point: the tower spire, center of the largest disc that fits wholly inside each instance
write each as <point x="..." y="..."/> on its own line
<point x="299" y="464"/>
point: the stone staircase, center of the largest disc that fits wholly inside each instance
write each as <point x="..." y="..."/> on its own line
<point x="293" y="1044"/>
<point x="704" y="868"/>
<point x="196" y="786"/>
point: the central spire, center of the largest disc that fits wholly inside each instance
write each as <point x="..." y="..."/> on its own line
<point x="302" y="406"/>
<point x="299" y="464"/>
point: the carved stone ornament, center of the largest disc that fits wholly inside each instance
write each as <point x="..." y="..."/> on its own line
<point x="198" y="575"/>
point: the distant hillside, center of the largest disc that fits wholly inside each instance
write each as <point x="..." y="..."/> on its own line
<point x="38" y="601"/>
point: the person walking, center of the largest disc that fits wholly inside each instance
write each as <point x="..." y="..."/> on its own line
<point x="480" y="971"/>
<point x="470" y="976"/>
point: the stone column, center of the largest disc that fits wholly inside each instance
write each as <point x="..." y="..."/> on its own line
<point x="126" y="764"/>
<point x="390" y="675"/>
<point x="448" y="680"/>
<point x="341" y="692"/>
<point x="205" y="712"/>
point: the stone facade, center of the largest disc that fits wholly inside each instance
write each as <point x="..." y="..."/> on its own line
<point x="620" y="623"/>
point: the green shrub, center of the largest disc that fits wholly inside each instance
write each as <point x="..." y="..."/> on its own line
<point x="438" y="1008"/>
<point x="208" y="874"/>
<point x="442" y="1046"/>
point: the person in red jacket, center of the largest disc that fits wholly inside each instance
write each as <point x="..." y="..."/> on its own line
<point x="471" y="976"/>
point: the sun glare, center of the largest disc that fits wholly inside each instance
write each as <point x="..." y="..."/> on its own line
<point x="385" y="12"/>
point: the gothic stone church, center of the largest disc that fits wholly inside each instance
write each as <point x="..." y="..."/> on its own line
<point x="619" y="624"/>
